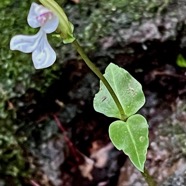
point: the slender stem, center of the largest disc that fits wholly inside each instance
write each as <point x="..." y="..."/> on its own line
<point x="101" y="77"/>
<point x="148" y="178"/>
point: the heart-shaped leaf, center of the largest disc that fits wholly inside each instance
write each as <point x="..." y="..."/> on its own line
<point x="127" y="89"/>
<point x="131" y="137"/>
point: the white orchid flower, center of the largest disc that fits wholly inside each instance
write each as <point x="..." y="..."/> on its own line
<point x="43" y="55"/>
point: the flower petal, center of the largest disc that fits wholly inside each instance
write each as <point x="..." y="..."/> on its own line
<point x="32" y="15"/>
<point x="51" y="24"/>
<point x="25" y="43"/>
<point x="43" y="56"/>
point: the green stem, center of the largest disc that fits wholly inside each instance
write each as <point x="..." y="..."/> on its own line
<point x="101" y="77"/>
<point x="148" y="178"/>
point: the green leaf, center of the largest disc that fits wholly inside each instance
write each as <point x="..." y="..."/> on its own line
<point x="181" y="62"/>
<point x="128" y="90"/>
<point x="131" y="137"/>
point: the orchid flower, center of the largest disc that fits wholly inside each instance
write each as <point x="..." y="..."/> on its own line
<point x="43" y="55"/>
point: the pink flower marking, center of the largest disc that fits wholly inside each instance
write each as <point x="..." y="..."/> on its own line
<point x="43" y="18"/>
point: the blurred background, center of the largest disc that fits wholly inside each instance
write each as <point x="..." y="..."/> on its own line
<point x="49" y="133"/>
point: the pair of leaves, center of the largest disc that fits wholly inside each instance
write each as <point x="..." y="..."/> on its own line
<point x="131" y="135"/>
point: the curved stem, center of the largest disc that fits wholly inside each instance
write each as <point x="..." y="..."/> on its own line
<point x="101" y="77"/>
<point x="148" y="178"/>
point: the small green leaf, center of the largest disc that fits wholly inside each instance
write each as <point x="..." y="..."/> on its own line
<point x="131" y="137"/>
<point x="181" y="62"/>
<point x="127" y="89"/>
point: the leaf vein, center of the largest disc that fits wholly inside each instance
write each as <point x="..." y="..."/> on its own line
<point x="133" y="142"/>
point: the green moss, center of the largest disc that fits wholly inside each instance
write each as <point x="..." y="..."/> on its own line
<point x="13" y="163"/>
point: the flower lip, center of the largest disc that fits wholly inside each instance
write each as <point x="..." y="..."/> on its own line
<point x="26" y="43"/>
<point x="43" y="56"/>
